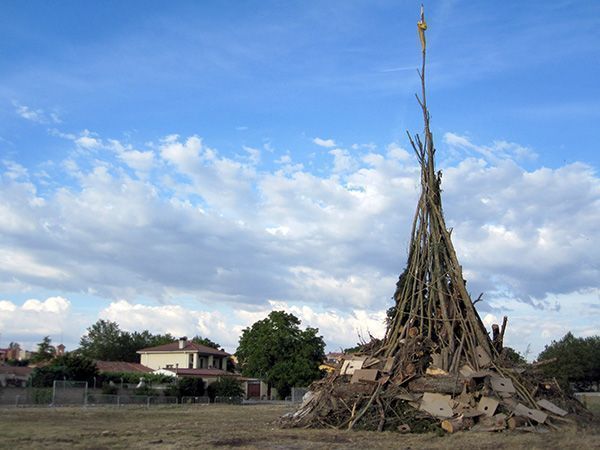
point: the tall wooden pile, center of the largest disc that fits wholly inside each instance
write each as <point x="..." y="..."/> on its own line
<point x="437" y="365"/>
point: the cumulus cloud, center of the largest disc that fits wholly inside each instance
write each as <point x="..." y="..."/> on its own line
<point x="29" y="322"/>
<point x="339" y="329"/>
<point x="327" y="143"/>
<point x="217" y="229"/>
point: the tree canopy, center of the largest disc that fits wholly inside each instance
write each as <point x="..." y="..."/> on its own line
<point x="276" y="350"/>
<point x="206" y="341"/>
<point x="65" y="367"/>
<point x="105" y="341"/>
<point x="577" y="361"/>
<point x="45" y="351"/>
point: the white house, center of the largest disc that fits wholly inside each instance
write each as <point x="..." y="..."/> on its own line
<point x="183" y="354"/>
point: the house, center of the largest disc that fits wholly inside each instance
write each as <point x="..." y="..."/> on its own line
<point x="183" y="354"/>
<point x="188" y="359"/>
<point x="332" y="361"/>
<point x="121" y="366"/>
<point x="14" y="375"/>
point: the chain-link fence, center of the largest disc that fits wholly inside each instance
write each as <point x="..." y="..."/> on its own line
<point x="69" y="392"/>
<point x="229" y="400"/>
<point x="25" y="396"/>
<point x="187" y="400"/>
<point x="298" y="393"/>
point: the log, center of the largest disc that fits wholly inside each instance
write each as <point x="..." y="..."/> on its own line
<point x="517" y="421"/>
<point x="441" y="384"/>
<point x="457" y="424"/>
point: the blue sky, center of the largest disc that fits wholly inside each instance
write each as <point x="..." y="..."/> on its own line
<point x="190" y="167"/>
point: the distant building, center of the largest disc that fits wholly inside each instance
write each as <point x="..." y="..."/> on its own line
<point x="183" y="354"/>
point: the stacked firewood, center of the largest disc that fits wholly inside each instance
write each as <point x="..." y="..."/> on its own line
<point x="411" y="393"/>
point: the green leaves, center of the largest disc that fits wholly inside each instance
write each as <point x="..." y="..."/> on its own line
<point x="105" y="341"/>
<point x="44" y="352"/>
<point x="577" y="360"/>
<point x="69" y="367"/>
<point x="276" y="350"/>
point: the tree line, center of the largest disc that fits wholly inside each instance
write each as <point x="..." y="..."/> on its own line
<point x="277" y="351"/>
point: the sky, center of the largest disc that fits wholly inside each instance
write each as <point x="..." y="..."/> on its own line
<point x="188" y="167"/>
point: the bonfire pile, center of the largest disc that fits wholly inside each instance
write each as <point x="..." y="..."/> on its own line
<point x="437" y="365"/>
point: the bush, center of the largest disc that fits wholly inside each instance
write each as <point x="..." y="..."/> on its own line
<point x="186" y="387"/>
<point x="225" y="387"/>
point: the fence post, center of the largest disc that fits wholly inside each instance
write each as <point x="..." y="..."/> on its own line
<point x="148" y="402"/>
<point x="17" y="400"/>
<point x="118" y="400"/>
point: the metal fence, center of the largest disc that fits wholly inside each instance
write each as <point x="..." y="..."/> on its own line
<point x="229" y="400"/>
<point x="187" y="400"/>
<point x="298" y="393"/>
<point x="64" y="396"/>
<point x="69" y="392"/>
<point x="129" y="400"/>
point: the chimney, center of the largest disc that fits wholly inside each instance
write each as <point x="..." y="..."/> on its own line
<point x="182" y="342"/>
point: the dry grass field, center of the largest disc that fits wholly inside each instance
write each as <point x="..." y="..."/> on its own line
<point x="226" y="426"/>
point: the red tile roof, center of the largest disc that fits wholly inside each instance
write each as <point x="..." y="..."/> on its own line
<point x="16" y="370"/>
<point x="121" y="366"/>
<point x="190" y="346"/>
<point x="202" y="372"/>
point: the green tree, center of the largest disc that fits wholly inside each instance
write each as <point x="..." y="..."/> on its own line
<point x="105" y="341"/>
<point x="577" y="361"/>
<point x="66" y="367"/>
<point x="205" y="341"/>
<point x="226" y="387"/>
<point x="45" y="351"/>
<point x="512" y="356"/>
<point x="191" y="387"/>
<point x="276" y="350"/>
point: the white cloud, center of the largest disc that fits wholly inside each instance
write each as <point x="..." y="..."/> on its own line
<point x="215" y="229"/>
<point x="327" y="143"/>
<point x="499" y="150"/>
<point x="342" y="161"/>
<point x="34" y="319"/>
<point x="88" y="141"/>
<point x="35" y="115"/>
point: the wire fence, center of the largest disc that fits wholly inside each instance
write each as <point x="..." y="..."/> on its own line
<point x="229" y="400"/>
<point x="187" y="400"/>
<point x="66" y="393"/>
<point x="298" y="394"/>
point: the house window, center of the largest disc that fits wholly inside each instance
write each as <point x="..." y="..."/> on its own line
<point x="201" y="363"/>
<point x="191" y="361"/>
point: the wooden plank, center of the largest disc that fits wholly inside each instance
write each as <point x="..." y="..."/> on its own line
<point x="549" y="406"/>
<point x="487" y="405"/>
<point x="389" y="364"/>
<point x="436" y="360"/>
<point x="366" y="375"/>
<point x="350" y="365"/>
<point x="483" y="358"/>
<point x="437" y="405"/>
<point x="535" y="414"/>
<point x="500" y="384"/>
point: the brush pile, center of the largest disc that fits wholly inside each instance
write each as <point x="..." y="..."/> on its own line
<point x="437" y="366"/>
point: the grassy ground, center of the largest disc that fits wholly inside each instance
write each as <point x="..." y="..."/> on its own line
<point x="226" y="426"/>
